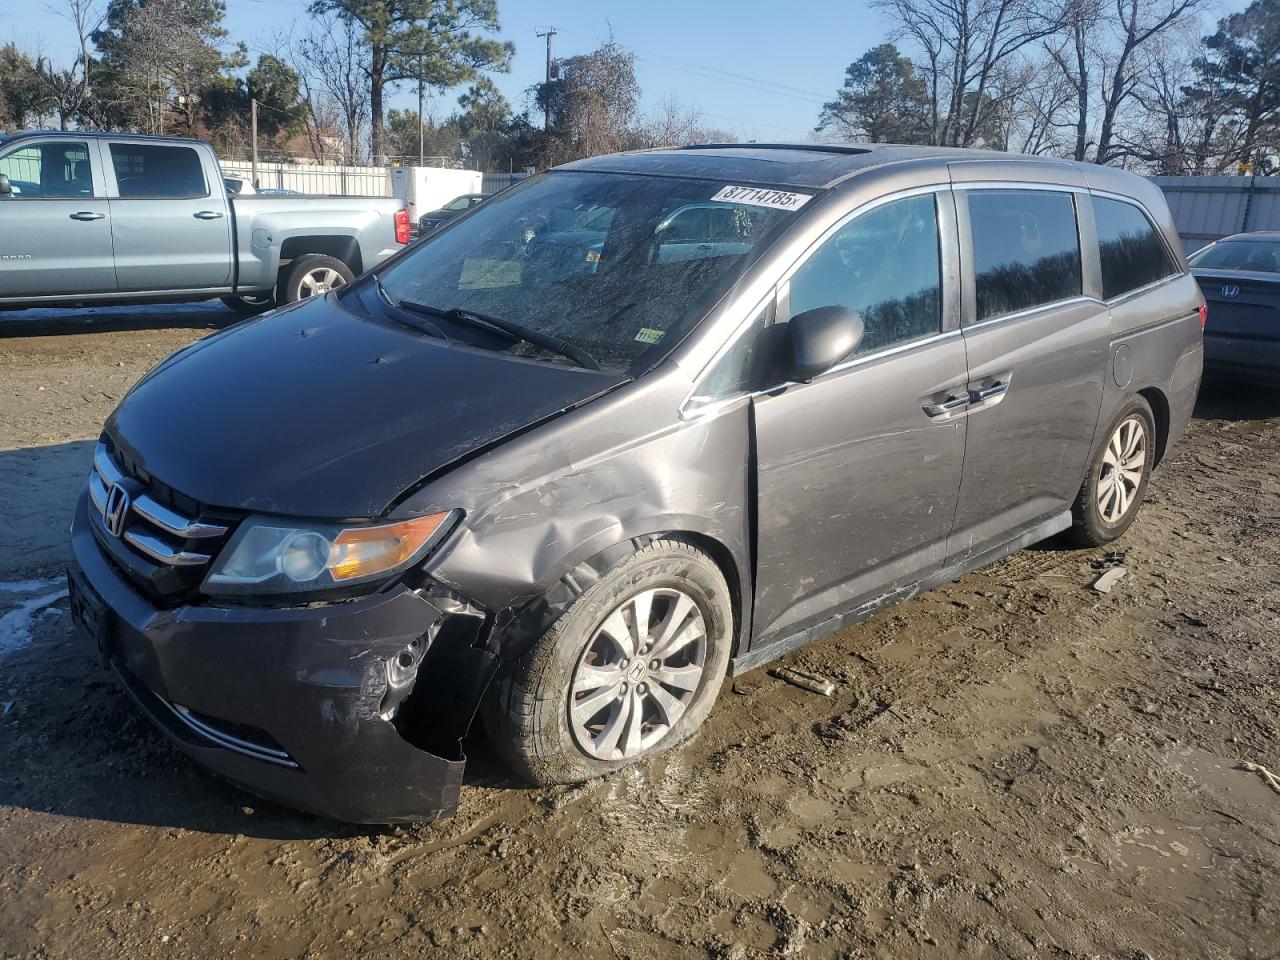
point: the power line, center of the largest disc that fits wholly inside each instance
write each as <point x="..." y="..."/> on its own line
<point x="727" y="76"/>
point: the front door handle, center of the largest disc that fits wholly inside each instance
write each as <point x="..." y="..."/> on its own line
<point x="986" y="393"/>
<point x="208" y="215"/>
<point x="88" y="215"/>
<point x="949" y="405"/>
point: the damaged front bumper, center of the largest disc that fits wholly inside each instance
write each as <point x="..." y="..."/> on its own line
<point x="298" y="704"/>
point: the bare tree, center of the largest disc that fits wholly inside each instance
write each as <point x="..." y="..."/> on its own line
<point x="69" y="91"/>
<point x="966" y="43"/>
<point x="1073" y="55"/>
<point x="329" y="59"/>
<point x="1138" y="24"/>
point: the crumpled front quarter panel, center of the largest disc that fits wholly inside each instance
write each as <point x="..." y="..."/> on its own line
<point x="622" y="467"/>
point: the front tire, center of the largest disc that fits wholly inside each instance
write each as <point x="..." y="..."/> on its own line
<point x="631" y="669"/>
<point x="312" y="275"/>
<point x="1116" y="484"/>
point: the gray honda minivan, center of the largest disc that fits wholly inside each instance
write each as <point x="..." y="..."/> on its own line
<point x="639" y="423"/>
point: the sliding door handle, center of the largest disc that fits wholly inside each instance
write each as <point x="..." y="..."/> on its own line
<point x="88" y="215"/>
<point x="986" y="393"/>
<point x="949" y="405"/>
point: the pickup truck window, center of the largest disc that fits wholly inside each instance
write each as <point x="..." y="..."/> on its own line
<point x="146" y="170"/>
<point x="58" y="170"/>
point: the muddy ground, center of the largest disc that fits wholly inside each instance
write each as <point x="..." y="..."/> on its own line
<point x="1012" y="766"/>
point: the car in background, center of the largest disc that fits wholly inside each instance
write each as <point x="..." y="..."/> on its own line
<point x="455" y="207"/>
<point x="108" y="218"/>
<point x="1240" y="279"/>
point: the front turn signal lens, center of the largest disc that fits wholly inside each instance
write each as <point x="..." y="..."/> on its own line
<point x="360" y="552"/>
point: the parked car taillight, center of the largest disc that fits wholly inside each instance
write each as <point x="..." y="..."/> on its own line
<point x="402" y="226"/>
<point x="1204" y="315"/>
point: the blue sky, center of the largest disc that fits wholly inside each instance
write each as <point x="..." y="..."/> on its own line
<point x="758" y="69"/>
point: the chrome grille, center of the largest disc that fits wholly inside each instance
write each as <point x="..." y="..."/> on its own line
<point x="129" y="512"/>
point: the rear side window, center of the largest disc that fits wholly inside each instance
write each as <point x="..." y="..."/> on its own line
<point x="1026" y="249"/>
<point x="1132" y="252"/>
<point x="886" y="265"/>
<point x="150" y="170"/>
<point x="52" y="171"/>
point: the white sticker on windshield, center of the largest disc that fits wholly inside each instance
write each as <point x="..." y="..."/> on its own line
<point x="763" y="197"/>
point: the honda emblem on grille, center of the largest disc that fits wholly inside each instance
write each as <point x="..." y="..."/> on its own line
<point x="116" y="510"/>
<point x="1230" y="290"/>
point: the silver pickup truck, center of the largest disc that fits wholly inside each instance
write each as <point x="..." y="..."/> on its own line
<point x="115" y="218"/>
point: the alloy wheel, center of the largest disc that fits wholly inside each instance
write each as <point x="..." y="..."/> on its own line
<point x="319" y="280"/>
<point x="1123" y="463"/>
<point x="638" y="674"/>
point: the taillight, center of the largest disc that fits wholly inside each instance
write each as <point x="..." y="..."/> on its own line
<point x="402" y="226"/>
<point x="1204" y="315"/>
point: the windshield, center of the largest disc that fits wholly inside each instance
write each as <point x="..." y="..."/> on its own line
<point x="1262" y="256"/>
<point x="615" y="265"/>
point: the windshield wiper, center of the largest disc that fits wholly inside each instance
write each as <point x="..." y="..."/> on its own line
<point x="510" y="329"/>
<point x="411" y="307"/>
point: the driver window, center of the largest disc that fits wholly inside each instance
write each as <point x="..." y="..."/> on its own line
<point x="57" y="171"/>
<point x="886" y="265"/>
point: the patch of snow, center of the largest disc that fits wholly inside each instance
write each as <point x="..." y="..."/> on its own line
<point x="15" y="625"/>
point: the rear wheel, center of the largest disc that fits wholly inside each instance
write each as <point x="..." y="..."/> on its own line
<point x="249" y="305"/>
<point x="312" y="275"/>
<point x="1111" y="494"/>
<point x="632" y="668"/>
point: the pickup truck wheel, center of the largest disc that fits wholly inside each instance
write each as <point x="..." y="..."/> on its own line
<point x="249" y="305"/>
<point x="312" y="275"/>
<point x="631" y="669"/>
<point x="1116" y="483"/>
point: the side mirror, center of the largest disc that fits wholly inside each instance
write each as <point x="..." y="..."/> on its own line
<point x="5" y="189"/>
<point x="821" y="338"/>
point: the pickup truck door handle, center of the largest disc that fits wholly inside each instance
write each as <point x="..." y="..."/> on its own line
<point x="208" y="215"/>
<point x="986" y="393"/>
<point x="949" y="405"/>
<point x="88" y="215"/>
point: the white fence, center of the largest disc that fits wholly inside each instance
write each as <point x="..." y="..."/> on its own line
<point x="315" y="178"/>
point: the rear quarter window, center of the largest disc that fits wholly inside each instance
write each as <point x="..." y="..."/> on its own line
<point x="1130" y="247"/>
<point x="1026" y="249"/>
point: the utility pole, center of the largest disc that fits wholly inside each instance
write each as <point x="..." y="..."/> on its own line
<point x="253" y="125"/>
<point x="422" y="127"/>
<point x="550" y="32"/>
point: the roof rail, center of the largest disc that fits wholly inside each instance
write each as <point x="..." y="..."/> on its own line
<point x="810" y="147"/>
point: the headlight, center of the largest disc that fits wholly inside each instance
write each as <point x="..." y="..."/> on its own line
<point x="266" y="556"/>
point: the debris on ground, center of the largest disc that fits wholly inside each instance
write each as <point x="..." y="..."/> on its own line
<point x="1109" y="579"/>
<point x="805" y="681"/>
<point x="1268" y="777"/>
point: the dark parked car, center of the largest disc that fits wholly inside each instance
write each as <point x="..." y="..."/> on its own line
<point x="544" y="467"/>
<point x="1240" y="278"/>
<point x="455" y="207"/>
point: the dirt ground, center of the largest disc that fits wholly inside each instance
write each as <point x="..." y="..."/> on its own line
<point x="1012" y="766"/>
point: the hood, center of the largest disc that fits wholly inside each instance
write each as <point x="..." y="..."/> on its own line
<point x="314" y="411"/>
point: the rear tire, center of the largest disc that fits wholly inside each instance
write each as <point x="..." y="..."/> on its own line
<point x="596" y="693"/>
<point x="250" y="305"/>
<point x="1116" y="484"/>
<point x="312" y="275"/>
